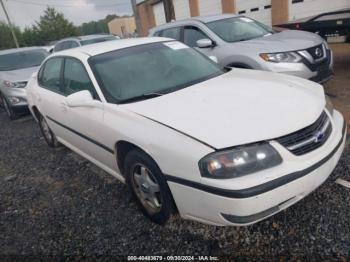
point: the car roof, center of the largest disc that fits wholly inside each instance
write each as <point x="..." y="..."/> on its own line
<point x="202" y="19"/>
<point x="16" y="50"/>
<point x="105" y="47"/>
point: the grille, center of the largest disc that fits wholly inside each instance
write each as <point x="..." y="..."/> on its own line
<point x="316" y="52"/>
<point x="309" y="138"/>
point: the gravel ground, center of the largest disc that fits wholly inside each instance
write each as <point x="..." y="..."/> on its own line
<point x="53" y="202"/>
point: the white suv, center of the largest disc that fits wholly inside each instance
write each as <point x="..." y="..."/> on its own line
<point x="221" y="147"/>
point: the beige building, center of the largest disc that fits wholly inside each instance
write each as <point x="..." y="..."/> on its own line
<point x="122" y="26"/>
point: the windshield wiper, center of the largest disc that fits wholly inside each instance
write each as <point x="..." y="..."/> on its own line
<point x="140" y="97"/>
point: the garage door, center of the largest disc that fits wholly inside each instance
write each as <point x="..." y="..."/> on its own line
<point x="210" y="7"/>
<point x="182" y="9"/>
<point x="159" y="13"/>
<point x="259" y="10"/>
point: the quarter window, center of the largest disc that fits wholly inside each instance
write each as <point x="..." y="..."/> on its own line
<point x="50" y="78"/>
<point x="75" y="78"/>
<point x="192" y="35"/>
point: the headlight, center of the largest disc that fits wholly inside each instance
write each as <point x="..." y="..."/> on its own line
<point x="15" y="84"/>
<point x="329" y="105"/>
<point x="240" y="161"/>
<point x="287" y="57"/>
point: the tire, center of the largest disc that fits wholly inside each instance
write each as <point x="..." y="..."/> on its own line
<point x="9" y="111"/>
<point x="47" y="133"/>
<point x="146" y="180"/>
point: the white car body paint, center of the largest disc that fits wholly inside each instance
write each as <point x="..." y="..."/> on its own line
<point x="180" y="128"/>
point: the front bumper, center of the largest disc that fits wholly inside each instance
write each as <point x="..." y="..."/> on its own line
<point x="20" y="94"/>
<point x="247" y="205"/>
<point x="319" y="72"/>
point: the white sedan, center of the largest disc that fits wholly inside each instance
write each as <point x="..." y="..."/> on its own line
<point x="223" y="147"/>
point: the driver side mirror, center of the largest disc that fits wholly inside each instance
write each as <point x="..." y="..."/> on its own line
<point x="82" y="99"/>
<point x="205" y="43"/>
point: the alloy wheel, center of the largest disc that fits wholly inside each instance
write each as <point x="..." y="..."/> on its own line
<point x="146" y="188"/>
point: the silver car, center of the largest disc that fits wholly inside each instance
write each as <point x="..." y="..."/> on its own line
<point x="238" y="41"/>
<point x="78" y="41"/>
<point x="16" y="67"/>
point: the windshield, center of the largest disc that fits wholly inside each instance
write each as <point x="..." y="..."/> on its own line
<point x="150" y="70"/>
<point x="98" y="40"/>
<point x="239" y="29"/>
<point x="22" y="59"/>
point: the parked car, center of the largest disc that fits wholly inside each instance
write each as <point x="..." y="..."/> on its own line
<point x="238" y="41"/>
<point x="224" y="147"/>
<point x="73" y="42"/>
<point x="50" y="46"/>
<point x="16" y="67"/>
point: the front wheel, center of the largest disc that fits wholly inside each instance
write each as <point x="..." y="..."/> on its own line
<point x="49" y="136"/>
<point x="10" y="113"/>
<point x="149" y="186"/>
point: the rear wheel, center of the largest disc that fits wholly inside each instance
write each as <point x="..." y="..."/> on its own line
<point x="149" y="186"/>
<point x="49" y="136"/>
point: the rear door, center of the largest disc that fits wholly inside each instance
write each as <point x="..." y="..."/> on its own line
<point x="50" y="97"/>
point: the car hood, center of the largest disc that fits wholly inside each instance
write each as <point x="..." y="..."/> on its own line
<point x="288" y="40"/>
<point x="239" y="107"/>
<point x="18" y="75"/>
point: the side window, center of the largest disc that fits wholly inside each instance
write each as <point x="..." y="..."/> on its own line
<point x="192" y="34"/>
<point x="58" y="47"/>
<point x="75" y="78"/>
<point x="50" y="76"/>
<point x="173" y="33"/>
<point x="67" y="45"/>
<point x="74" y="44"/>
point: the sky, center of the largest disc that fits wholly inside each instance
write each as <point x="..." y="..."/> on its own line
<point x="25" y="12"/>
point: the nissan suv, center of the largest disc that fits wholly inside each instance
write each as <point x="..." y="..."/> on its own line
<point x="238" y="41"/>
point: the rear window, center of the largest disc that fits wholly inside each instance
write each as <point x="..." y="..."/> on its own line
<point x="22" y="59"/>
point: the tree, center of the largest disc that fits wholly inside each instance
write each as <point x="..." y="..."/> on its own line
<point x="97" y="27"/>
<point x="30" y="37"/>
<point x="94" y="27"/>
<point x="53" y="26"/>
<point x="6" y="39"/>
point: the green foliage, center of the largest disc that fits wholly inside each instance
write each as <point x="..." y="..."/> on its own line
<point x="6" y="39"/>
<point x="51" y="26"/>
<point x="30" y="37"/>
<point x="96" y="27"/>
